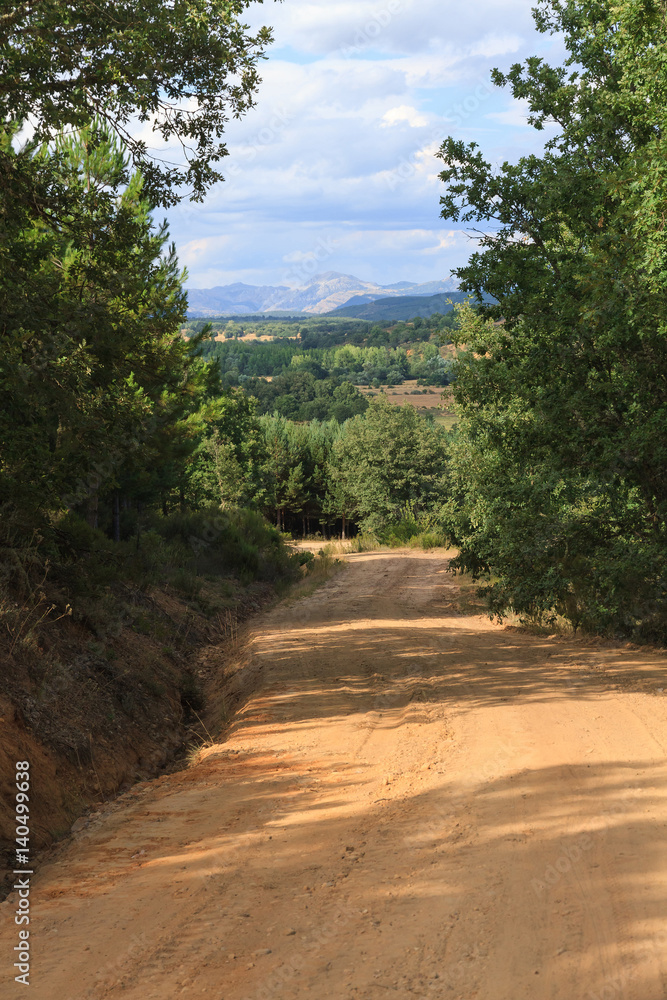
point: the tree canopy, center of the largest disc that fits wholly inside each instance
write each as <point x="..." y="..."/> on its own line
<point x="93" y="372"/>
<point x="386" y="461"/>
<point x="563" y="461"/>
<point x="101" y="393"/>
<point x="182" y="68"/>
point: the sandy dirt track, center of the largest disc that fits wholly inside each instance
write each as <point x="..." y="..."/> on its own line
<point x="414" y="803"/>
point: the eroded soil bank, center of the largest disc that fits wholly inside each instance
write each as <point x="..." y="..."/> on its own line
<point x="414" y="802"/>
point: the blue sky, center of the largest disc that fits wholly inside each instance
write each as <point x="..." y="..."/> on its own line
<point x="335" y="167"/>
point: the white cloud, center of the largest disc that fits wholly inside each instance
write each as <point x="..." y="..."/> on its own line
<point x="195" y="252"/>
<point x="355" y="101"/>
<point x="404" y="113"/>
<point x="398" y="26"/>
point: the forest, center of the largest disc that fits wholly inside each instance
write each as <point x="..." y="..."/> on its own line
<point x="297" y="379"/>
<point x="118" y="430"/>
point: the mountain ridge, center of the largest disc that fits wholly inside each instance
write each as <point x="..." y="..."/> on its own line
<point x="400" y="307"/>
<point x="321" y="294"/>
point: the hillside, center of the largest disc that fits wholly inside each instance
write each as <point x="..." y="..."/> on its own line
<point x="401" y="307"/>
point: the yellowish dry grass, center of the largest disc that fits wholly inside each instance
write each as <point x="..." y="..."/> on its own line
<point x="435" y="402"/>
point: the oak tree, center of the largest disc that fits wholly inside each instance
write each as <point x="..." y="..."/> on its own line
<point x="563" y="394"/>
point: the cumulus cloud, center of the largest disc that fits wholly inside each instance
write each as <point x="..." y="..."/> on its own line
<point x="394" y="26"/>
<point x="341" y="148"/>
<point x="403" y="114"/>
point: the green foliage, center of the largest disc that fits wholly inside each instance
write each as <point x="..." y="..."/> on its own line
<point x="132" y="454"/>
<point x="373" y="471"/>
<point x="561" y="463"/>
<point x="434" y="539"/>
<point x="311" y="332"/>
<point x="316" y="383"/>
<point x="223" y="469"/>
<point x="295" y="469"/>
<point x="300" y="395"/>
<point x="308" y="330"/>
<point x="110" y="418"/>
<point x="235" y="542"/>
<point x="180" y="550"/>
<point x="415" y="528"/>
<point x="187" y="68"/>
<point x="124" y="459"/>
<point x="93" y="373"/>
<point x="384" y="460"/>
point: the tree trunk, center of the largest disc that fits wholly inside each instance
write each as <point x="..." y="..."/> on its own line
<point x="139" y="511"/>
<point x="344" y="536"/>
<point x="116" y="516"/>
<point x="91" y="511"/>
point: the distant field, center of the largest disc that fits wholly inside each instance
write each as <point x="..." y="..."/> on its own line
<point x="427" y="402"/>
<point x="247" y="337"/>
<point x="424" y="397"/>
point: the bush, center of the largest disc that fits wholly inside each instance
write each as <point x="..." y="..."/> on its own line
<point x="429" y="540"/>
<point x="239" y="543"/>
<point x="416" y="530"/>
<point x="81" y="566"/>
<point x="400" y="533"/>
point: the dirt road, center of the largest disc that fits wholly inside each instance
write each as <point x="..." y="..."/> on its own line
<point x="414" y="803"/>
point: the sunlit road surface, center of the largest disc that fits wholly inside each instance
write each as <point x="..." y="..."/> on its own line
<point x="415" y="802"/>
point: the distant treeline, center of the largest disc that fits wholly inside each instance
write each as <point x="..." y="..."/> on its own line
<point x="359" y="365"/>
<point x="329" y="331"/>
<point x="382" y="471"/>
<point x="317" y="383"/>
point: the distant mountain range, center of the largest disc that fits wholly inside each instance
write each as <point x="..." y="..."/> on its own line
<point x="322" y="294"/>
